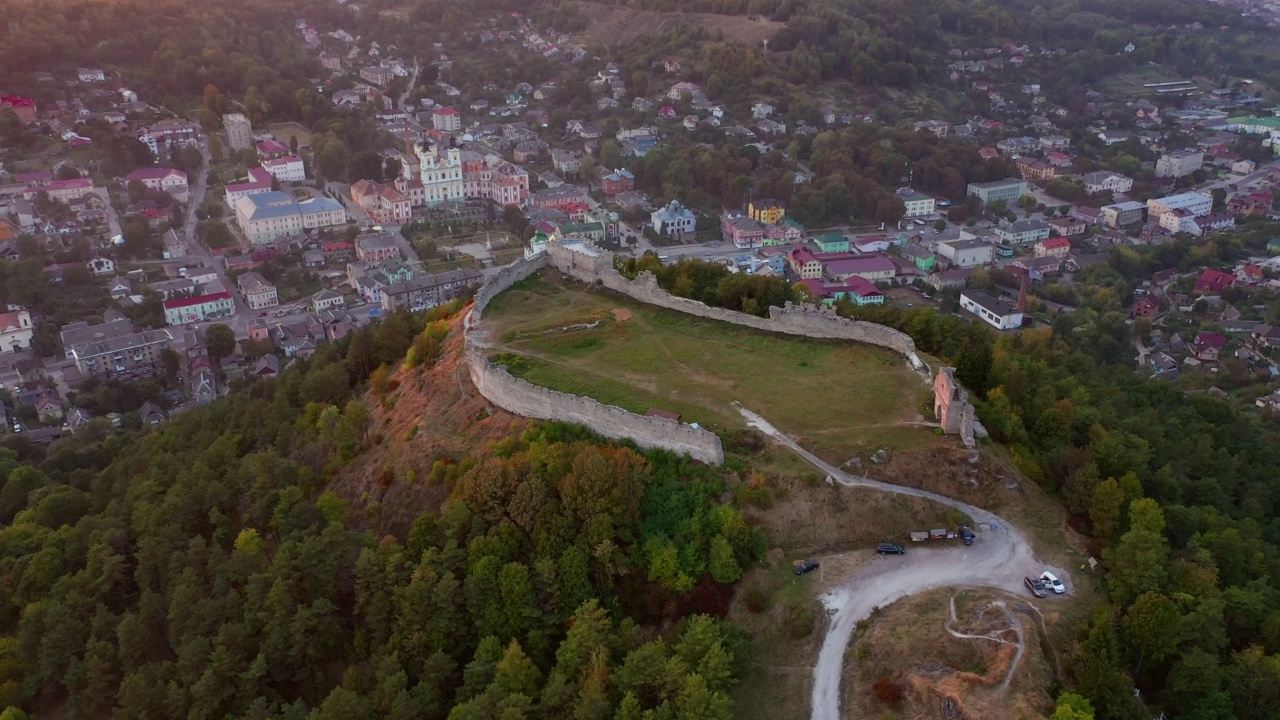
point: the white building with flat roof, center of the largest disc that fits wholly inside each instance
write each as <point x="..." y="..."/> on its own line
<point x="996" y="313"/>
<point x="1198" y="203"/>
<point x="1180" y="163"/>
<point x="917" y="204"/>
<point x="239" y="131"/>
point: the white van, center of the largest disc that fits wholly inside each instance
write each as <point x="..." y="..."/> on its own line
<point x="1053" y="582"/>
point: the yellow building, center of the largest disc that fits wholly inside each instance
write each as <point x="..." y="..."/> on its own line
<point x="766" y="212"/>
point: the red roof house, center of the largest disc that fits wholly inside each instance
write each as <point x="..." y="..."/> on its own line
<point x="1146" y="307"/>
<point x="1213" y="281"/>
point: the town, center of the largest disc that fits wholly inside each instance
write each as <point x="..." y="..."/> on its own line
<point x="290" y="241"/>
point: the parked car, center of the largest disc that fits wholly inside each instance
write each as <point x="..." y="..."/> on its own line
<point x="890" y="549"/>
<point x="966" y="535"/>
<point x="1035" y="586"/>
<point x="1053" y="583"/>
<point x="806" y="566"/>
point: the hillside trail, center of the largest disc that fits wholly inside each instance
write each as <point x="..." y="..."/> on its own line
<point x="999" y="558"/>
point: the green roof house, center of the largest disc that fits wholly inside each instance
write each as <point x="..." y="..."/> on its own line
<point x="832" y="242"/>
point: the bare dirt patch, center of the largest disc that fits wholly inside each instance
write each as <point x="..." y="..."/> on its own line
<point x="433" y="414"/>
<point x="621" y="314"/>
<point x="904" y="660"/>
<point x="612" y="24"/>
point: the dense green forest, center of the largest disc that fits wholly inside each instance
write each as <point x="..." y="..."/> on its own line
<point x="1177" y="490"/>
<point x="201" y="569"/>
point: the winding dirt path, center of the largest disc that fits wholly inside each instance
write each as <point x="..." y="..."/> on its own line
<point x="999" y="558"/>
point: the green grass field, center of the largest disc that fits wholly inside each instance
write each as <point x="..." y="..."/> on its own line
<point x="837" y="398"/>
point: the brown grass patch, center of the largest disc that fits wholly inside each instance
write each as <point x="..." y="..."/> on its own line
<point x="612" y="24"/>
<point x="434" y="414"/>
<point x="993" y="484"/>
<point x="810" y="516"/>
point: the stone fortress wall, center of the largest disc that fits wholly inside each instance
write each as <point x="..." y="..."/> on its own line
<point x="805" y="320"/>
<point x="593" y="265"/>
<point x="528" y="400"/>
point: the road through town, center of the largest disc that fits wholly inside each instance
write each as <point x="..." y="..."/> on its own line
<point x="1000" y="558"/>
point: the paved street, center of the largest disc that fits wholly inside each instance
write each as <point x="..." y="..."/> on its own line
<point x="240" y="321"/>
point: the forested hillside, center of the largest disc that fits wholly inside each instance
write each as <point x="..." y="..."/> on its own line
<point x="1177" y="491"/>
<point x="202" y="570"/>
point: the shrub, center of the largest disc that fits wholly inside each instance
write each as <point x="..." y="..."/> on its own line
<point x="799" y="622"/>
<point x="887" y="691"/>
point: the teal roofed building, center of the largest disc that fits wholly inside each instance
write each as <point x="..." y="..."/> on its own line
<point x="832" y="242"/>
<point x="1273" y="246"/>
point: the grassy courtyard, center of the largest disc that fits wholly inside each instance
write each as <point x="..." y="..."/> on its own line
<point x="838" y="398"/>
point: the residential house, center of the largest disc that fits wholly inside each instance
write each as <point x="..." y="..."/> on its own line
<point x="1023" y="232"/>
<point x="1055" y="142"/>
<point x="136" y="354"/>
<point x="565" y="196"/>
<point x="327" y="300"/>
<point x="767" y="211"/>
<point x="566" y="162"/>
<point x="258" y="293"/>
<point x="1147" y="306"/>
<point x="1114" y="137"/>
<point x="937" y="127"/>
<point x="967" y="253"/>
<point x="1208" y="346"/>
<point x="618" y="182"/>
<point x="742" y="231"/>
<point x="152" y="414"/>
<point x="428" y="291"/>
<point x="1032" y="169"/>
<point x="1058" y="247"/>
<point x="377" y="75"/>
<point x="163" y="179"/>
<point x="175" y="244"/>
<point x="1067" y="226"/>
<point x="198" y="308"/>
<point x="924" y="260"/>
<point x="1213" y="282"/>
<point x="856" y="289"/>
<point x="1105" y="181"/>
<point x="376" y="248"/>
<point x="1123" y="214"/>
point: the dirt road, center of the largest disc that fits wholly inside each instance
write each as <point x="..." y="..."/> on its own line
<point x="1000" y="558"/>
